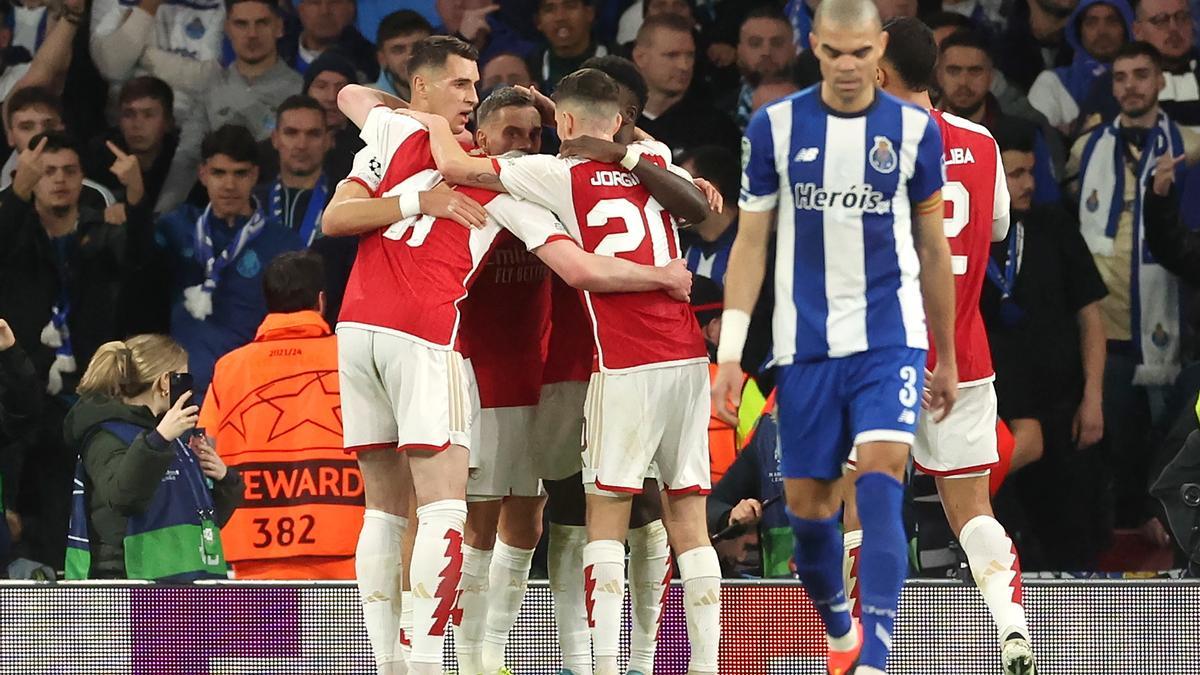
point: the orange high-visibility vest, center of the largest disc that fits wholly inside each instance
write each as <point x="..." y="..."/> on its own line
<point x="722" y="439"/>
<point x="274" y="408"/>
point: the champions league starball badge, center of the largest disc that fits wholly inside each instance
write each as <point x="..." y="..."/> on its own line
<point x="883" y="156"/>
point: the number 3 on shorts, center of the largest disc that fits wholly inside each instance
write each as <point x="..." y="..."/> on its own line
<point x="908" y="391"/>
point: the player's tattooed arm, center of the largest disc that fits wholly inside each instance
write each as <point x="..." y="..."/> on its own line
<point x="456" y="165"/>
<point x="937" y="288"/>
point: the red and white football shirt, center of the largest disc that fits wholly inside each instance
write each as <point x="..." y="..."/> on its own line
<point x="976" y="199"/>
<point x="505" y="325"/>
<point x="571" y="350"/>
<point x="609" y="212"/>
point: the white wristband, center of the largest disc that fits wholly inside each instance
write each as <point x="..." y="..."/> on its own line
<point x="410" y="204"/>
<point x="631" y="158"/>
<point x="735" y="324"/>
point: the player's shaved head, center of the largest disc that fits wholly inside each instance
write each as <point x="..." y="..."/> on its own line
<point x="590" y="96"/>
<point x="847" y="15"/>
<point x="848" y="41"/>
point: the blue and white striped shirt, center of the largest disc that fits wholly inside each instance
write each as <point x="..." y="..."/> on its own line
<point x="846" y="268"/>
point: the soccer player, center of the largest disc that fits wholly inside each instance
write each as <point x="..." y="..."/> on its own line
<point x="960" y="450"/>
<point x="647" y="403"/>
<point x="403" y="384"/>
<point x="857" y="208"/>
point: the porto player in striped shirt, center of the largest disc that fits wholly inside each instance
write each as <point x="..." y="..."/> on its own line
<point x="850" y="179"/>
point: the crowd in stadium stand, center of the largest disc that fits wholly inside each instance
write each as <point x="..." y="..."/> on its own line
<point x="148" y="137"/>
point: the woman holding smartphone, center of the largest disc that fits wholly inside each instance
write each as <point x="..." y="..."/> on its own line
<point x="150" y="494"/>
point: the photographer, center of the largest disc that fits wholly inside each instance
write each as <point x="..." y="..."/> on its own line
<point x="151" y="495"/>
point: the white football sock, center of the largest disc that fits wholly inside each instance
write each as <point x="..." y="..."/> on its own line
<point x="379" y="571"/>
<point x="604" y="581"/>
<point x="436" y="568"/>
<point x="509" y="578"/>
<point x="565" y="562"/>
<point x="997" y="571"/>
<point x="649" y="578"/>
<point x="701" y="573"/>
<point x="473" y="603"/>
<point x="851" y="546"/>
<point x="404" y="637"/>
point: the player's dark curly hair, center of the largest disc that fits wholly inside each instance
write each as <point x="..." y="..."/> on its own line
<point x="624" y="72"/>
<point x="912" y="52"/>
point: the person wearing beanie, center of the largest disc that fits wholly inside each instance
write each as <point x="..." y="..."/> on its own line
<point x="323" y="80"/>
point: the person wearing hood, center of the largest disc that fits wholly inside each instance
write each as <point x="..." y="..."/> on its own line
<point x="1095" y="31"/>
<point x="150" y="496"/>
<point x="324" y="79"/>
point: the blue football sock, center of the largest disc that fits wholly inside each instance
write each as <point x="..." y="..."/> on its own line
<point x="819" y="564"/>
<point x="883" y="563"/>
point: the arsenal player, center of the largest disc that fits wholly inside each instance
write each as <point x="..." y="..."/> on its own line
<point x="404" y="386"/>
<point x="648" y="402"/>
<point x="960" y="450"/>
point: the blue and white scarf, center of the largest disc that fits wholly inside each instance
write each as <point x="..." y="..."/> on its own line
<point x="310" y="226"/>
<point x="1154" y="292"/>
<point x="198" y="299"/>
<point x="57" y="336"/>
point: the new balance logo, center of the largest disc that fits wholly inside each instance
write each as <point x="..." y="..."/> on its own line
<point x="807" y="154"/>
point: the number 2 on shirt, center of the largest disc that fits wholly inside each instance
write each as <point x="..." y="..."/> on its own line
<point x="955" y="194"/>
<point x="637" y="222"/>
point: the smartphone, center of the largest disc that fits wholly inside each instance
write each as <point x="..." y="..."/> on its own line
<point x="180" y="384"/>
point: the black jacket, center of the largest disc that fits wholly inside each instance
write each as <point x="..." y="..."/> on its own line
<point x="20" y="390"/>
<point x="96" y="259"/>
<point x="1174" y="246"/>
<point x="97" y="159"/>
<point x="123" y="478"/>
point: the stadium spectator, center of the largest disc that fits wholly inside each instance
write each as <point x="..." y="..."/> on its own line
<point x="706" y="244"/>
<point x="49" y="37"/>
<point x="988" y="17"/>
<point x="965" y="74"/>
<point x="213" y="257"/>
<point x="63" y="264"/>
<point x="771" y="89"/>
<point x="1034" y="40"/>
<point x="947" y="22"/>
<point x="1141" y="313"/>
<point x="32" y="111"/>
<point x="764" y="49"/>
<point x="324" y="79"/>
<point x="146" y="129"/>
<point x="505" y="70"/>
<point x="398" y="33"/>
<point x="1171" y="242"/>
<point x="296" y="198"/>
<point x="1041" y="305"/>
<point x="799" y="13"/>
<point x="896" y="9"/>
<point x="369" y="14"/>
<point x="272" y="411"/>
<point x="328" y="25"/>
<point x="1095" y="31"/>
<point x="491" y="27"/>
<point x="750" y="494"/>
<point x="566" y="26"/>
<point x="145" y="509"/>
<point x="676" y="113"/>
<point x="179" y="43"/>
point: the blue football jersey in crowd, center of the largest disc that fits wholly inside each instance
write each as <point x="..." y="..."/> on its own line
<point x="846" y="268"/>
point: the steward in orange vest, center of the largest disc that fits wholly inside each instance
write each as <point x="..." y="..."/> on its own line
<point x="274" y="410"/>
<point x="707" y="302"/>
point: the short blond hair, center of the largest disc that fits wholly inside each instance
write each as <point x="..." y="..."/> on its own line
<point x="124" y="369"/>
